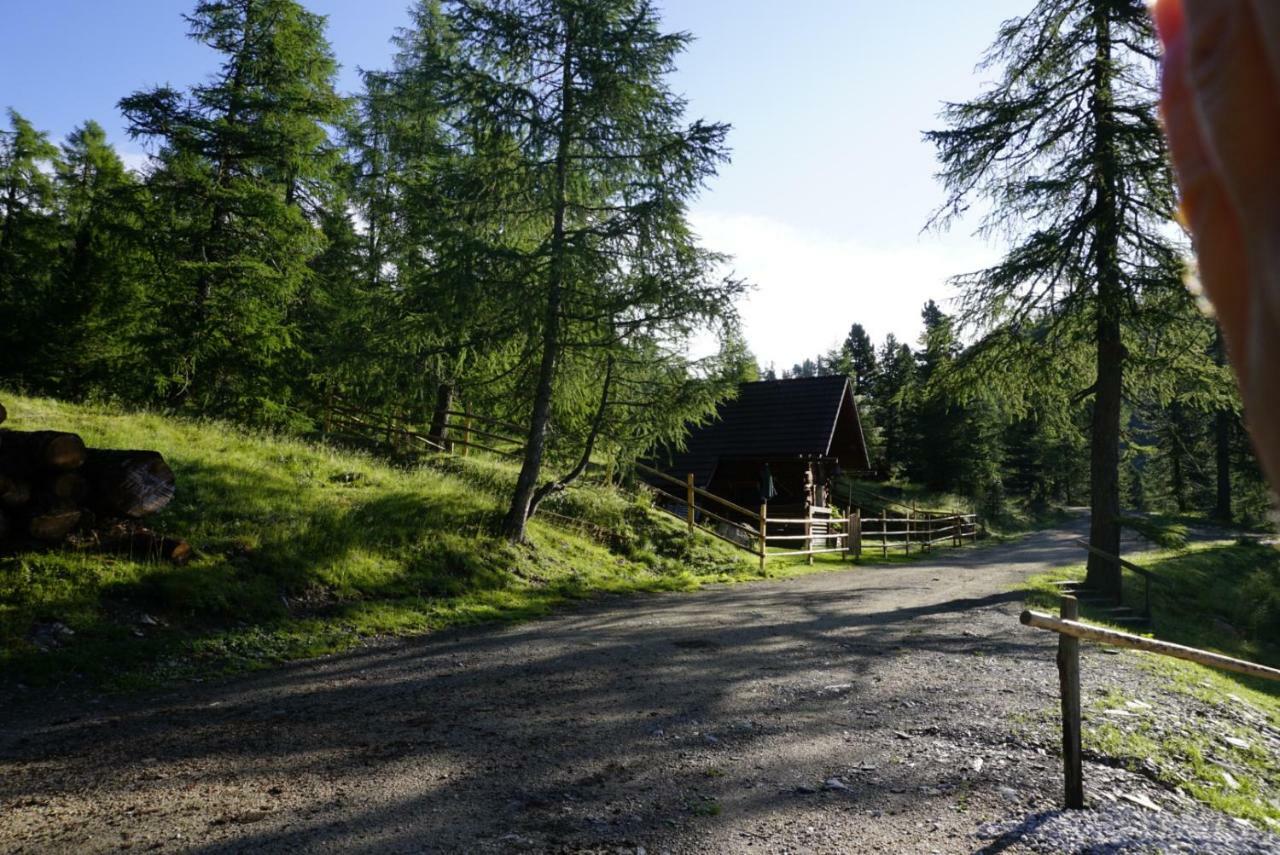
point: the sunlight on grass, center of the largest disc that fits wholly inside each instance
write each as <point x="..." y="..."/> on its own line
<point x="305" y="550"/>
<point x="1213" y="596"/>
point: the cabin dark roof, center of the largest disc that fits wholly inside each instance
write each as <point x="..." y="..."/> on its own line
<point x="771" y="420"/>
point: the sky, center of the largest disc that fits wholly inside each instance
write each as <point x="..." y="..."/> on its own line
<point x="830" y="185"/>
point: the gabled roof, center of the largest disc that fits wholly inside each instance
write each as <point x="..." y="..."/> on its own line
<point x="770" y="420"/>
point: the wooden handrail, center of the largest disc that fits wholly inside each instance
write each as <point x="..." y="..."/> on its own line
<point x="1115" y="638"/>
<point x="699" y="491"/>
<point x="1128" y="565"/>
<point x="477" y="417"/>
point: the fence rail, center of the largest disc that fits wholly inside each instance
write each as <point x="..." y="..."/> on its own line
<point x="824" y="533"/>
<point x="1070" y="630"/>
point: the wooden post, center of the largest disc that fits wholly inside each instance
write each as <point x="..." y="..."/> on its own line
<point x="855" y="534"/>
<point x="466" y="429"/>
<point x="689" y="503"/>
<point x="884" y="533"/>
<point x="910" y="516"/>
<point x="764" y="537"/>
<point x="1069" y="678"/>
<point x="808" y="532"/>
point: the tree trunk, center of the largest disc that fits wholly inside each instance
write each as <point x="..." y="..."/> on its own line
<point x="1223" y="427"/>
<point x="440" y="418"/>
<point x="1177" y="473"/>
<point x="1104" y="466"/>
<point x="513" y="527"/>
<point x="597" y="424"/>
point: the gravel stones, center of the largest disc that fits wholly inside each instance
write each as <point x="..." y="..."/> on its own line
<point x="1116" y="828"/>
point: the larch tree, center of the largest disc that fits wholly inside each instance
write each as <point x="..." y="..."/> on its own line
<point x="1067" y="151"/>
<point x="568" y="156"/>
<point x="239" y="162"/>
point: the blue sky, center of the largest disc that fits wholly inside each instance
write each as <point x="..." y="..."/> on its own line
<point x="830" y="183"/>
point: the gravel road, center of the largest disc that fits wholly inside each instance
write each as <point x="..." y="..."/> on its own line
<point x="897" y="709"/>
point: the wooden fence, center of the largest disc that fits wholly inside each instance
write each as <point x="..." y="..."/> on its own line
<point x="1070" y="630"/>
<point x="462" y="430"/>
<point x="819" y="532"/>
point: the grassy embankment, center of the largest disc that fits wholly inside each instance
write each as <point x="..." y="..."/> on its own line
<point x="305" y="550"/>
<point x="1222" y="596"/>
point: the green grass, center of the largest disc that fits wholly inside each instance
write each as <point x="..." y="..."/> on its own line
<point x="305" y="550"/>
<point x="1221" y="596"/>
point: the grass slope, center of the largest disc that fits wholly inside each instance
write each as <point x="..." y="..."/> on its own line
<point x="1222" y="596"/>
<point x="305" y="550"/>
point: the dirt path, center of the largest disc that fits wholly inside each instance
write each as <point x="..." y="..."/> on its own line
<point x="842" y="712"/>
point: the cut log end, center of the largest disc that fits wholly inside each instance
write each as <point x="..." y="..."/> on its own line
<point x="15" y="493"/>
<point x="54" y="525"/>
<point x="25" y="452"/>
<point x="134" y="483"/>
<point x="65" y="451"/>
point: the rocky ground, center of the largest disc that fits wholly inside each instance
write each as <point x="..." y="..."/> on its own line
<point x="899" y="709"/>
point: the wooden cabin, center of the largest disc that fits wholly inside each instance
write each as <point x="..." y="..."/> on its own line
<point x="805" y="431"/>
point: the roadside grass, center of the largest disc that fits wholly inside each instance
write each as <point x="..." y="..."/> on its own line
<point x="1222" y="596"/>
<point x="303" y="550"/>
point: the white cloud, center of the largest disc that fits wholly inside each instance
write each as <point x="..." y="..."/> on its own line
<point x="135" y="161"/>
<point x="810" y="288"/>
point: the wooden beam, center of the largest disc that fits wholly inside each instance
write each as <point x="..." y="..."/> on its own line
<point x="1069" y="681"/>
<point x="1039" y="620"/>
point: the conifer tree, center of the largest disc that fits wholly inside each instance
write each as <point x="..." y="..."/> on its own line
<point x="567" y="156"/>
<point x="241" y="161"/>
<point x="1067" y="149"/>
<point x="28" y="240"/>
<point x="92" y="323"/>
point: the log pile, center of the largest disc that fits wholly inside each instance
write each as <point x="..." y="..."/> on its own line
<point x="54" y="490"/>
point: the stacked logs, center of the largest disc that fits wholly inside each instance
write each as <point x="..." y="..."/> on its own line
<point x="54" y="490"/>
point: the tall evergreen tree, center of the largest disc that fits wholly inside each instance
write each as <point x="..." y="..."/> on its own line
<point x="240" y="160"/>
<point x="93" y="321"/>
<point x="28" y="240"/>
<point x="1068" y="150"/>
<point x="572" y="162"/>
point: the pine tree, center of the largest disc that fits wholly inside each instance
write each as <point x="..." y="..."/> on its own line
<point x="28" y="240"/>
<point x="242" y="160"/>
<point x="894" y="394"/>
<point x="1068" y="150"/>
<point x="858" y="356"/>
<point x="93" y="321"/>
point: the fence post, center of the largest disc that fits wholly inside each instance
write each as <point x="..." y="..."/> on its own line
<point x="689" y="502"/>
<point x="808" y="531"/>
<point x="957" y="531"/>
<point x="1069" y="678"/>
<point x="466" y="429"/>
<point x="764" y="537"/>
<point x="884" y="533"/>
<point x="855" y="534"/>
<point x="910" y="515"/>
